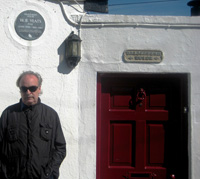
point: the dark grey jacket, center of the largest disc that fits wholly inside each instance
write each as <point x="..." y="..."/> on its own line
<point x="32" y="144"/>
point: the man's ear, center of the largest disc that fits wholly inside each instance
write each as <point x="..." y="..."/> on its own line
<point x="40" y="89"/>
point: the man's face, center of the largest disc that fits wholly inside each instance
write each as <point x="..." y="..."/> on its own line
<point x="28" y="93"/>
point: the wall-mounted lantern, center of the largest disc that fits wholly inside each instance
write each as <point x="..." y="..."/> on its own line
<point x="73" y="50"/>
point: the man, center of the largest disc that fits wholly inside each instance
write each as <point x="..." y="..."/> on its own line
<point x="32" y="144"/>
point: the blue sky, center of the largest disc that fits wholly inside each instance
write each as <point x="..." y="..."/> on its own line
<point x="150" y="7"/>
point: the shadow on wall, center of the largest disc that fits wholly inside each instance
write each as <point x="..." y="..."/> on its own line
<point x="63" y="67"/>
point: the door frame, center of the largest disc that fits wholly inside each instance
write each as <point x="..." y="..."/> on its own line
<point x="184" y="110"/>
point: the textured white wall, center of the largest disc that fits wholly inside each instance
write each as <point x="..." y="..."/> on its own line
<point x="72" y="93"/>
<point x="176" y="37"/>
<point x="44" y="55"/>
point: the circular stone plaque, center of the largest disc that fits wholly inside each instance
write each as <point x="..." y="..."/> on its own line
<point x="29" y="25"/>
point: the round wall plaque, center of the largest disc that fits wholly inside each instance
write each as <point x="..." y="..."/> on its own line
<point x="29" y="25"/>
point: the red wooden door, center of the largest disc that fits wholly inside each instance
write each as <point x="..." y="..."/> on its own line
<point x="135" y="140"/>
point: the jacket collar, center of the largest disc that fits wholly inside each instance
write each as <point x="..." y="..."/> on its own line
<point x="25" y="107"/>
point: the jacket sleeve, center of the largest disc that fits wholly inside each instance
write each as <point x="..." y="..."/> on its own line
<point x="1" y="137"/>
<point x="2" y="126"/>
<point x="58" y="152"/>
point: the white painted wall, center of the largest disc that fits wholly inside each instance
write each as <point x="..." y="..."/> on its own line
<point x="72" y="92"/>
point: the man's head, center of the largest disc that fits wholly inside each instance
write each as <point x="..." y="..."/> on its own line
<point x="29" y="84"/>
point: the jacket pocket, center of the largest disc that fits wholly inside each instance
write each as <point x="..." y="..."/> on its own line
<point x="12" y="133"/>
<point x="45" y="132"/>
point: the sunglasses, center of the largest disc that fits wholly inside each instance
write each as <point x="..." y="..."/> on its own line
<point x="30" y="88"/>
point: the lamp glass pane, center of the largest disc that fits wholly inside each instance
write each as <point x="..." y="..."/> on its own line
<point x="75" y="48"/>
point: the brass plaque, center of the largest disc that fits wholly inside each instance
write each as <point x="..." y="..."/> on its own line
<point x="143" y="56"/>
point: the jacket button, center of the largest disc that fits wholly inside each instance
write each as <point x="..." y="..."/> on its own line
<point x="46" y="131"/>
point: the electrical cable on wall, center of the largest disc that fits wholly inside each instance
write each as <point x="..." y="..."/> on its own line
<point x="81" y="24"/>
<point x="71" y="21"/>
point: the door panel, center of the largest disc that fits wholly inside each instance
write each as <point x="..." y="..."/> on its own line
<point x="121" y="150"/>
<point x="137" y="126"/>
<point x="155" y="144"/>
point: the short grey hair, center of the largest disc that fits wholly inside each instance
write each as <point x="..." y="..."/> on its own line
<point x="37" y="75"/>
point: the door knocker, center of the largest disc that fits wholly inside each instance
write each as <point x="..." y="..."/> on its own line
<point x="141" y="95"/>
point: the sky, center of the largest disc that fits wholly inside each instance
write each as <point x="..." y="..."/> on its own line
<point x="149" y="7"/>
